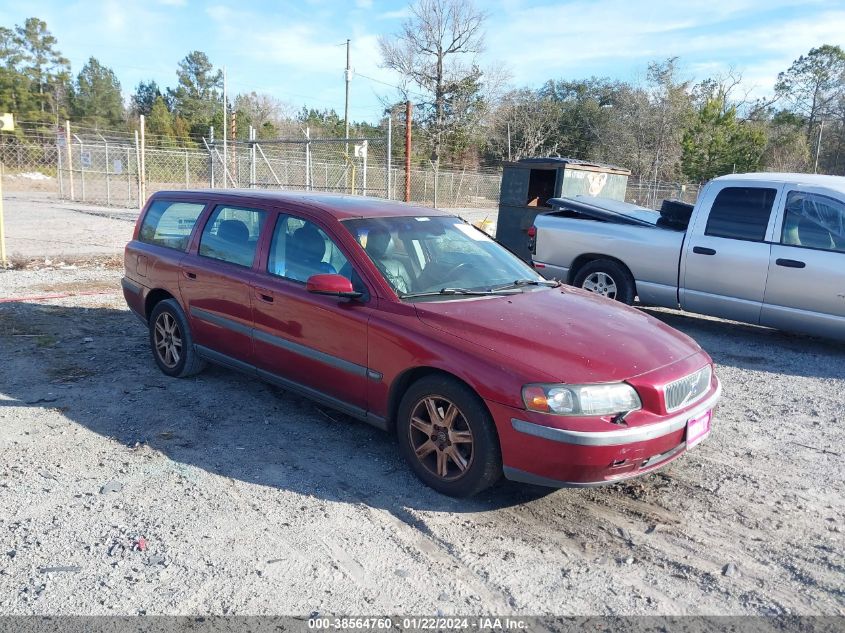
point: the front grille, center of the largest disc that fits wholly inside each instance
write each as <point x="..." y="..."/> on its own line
<point x="688" y="389"/>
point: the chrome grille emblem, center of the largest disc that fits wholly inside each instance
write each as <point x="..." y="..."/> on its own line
<point x="688" y="389"/>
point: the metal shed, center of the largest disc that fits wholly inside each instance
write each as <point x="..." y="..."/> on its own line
<point x="528" y="184"/>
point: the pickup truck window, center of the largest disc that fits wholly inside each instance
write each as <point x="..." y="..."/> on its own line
<point x="169" y="223"/>
<point x="741" y="213"/>
<point x="814" y="221"/>
<point x="231" y="235"/>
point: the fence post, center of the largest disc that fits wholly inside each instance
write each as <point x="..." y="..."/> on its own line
<point x="59" y="169"/>
<point x="187" y="175"/>
<point x="308" y="159"/>
<point x="138" y="168"/>
<point x="81" y="166"/>
<point x="364" y="175"/>
<point x="69" y="157"/>
<point x="108" y="176"/>
<point x="128" y="177"/>
<point x="436" y="179"/>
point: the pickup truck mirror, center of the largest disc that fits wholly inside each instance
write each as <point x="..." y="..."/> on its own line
<point x="331" y="284"/>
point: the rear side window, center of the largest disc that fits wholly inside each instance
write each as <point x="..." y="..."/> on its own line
<point x="741" y="213"/>
<point x="231" y="234"/>
<point x="170" y="224"/>
<point x="814" y="221"/>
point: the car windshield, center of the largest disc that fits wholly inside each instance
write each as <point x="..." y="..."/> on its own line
<point x="438" y="255"/>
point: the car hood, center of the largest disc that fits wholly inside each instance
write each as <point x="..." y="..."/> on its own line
<point x="566" y="334"/>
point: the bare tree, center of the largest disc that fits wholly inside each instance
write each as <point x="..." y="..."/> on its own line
<point x="435" y="51"/>
<point x="523" y="125"/>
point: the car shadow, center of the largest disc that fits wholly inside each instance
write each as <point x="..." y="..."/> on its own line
<point x="731" y="343"/>
<point x="94" y="365"/>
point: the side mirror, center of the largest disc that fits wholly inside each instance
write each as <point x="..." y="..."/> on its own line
<point x="332" y="285"/>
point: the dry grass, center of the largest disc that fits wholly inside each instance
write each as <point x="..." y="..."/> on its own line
<point x="20" y="262"/>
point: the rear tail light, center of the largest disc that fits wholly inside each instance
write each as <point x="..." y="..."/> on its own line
<point x="532" y="239"/>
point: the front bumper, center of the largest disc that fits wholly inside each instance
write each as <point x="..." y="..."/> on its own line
<point x="543" y="455"/>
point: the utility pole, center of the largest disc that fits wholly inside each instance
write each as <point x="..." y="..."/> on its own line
<point x="225" y="141"/>
<point x="388" y="166"/>
<point x="818" y="147"/>
<point x="143" y="166"/>
<point x="348" y="76"/>
<point x="235" y="162"/>
<point x="509" y="141"/>
<point x="408" y="120"/>
<point x="348" y="79"/>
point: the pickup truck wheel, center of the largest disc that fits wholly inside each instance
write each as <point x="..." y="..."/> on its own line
<point x="448" y="438"/>
<point x="607" y="278"/>
<point x="171" y="341"/>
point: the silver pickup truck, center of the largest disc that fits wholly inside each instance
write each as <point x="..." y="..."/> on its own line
<point x="767" y="249"/>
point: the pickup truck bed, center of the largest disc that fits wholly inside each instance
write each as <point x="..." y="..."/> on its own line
<point x="583" y="229"/>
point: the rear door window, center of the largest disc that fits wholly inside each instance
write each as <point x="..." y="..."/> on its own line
<point x="741" y="213"/>
<point x="170" y="224"/>
<point x="231" y="234"/>
<point x="814" y="221"/>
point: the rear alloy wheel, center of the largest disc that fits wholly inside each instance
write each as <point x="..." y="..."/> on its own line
<point x="600" y="283"/>
<point x="607" y="278"/>
<point x="448" y="438"/>
<point x="171" y="342"/>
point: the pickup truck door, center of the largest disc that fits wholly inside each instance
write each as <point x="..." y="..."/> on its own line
<point x="726" y="253"/>
<point x="805" y="290"/>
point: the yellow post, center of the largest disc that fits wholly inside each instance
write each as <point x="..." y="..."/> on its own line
<point x="2" y="229"/>
<point x="7" y="124"/>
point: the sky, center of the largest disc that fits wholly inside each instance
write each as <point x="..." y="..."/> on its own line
<point x="295" y="51"/>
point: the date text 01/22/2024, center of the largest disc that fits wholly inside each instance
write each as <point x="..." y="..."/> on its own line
<point x="484" y="623"/>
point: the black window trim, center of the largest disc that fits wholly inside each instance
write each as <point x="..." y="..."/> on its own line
<point x="772" y="214"/>
<point x="187" y="249"/>
<point x="214" y="206"/>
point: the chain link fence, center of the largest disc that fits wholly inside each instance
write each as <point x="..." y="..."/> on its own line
<point x="123" y="170"/>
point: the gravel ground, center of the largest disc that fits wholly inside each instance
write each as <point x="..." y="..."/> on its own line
<point x="123" y="491"/>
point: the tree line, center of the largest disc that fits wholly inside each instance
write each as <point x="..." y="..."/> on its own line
<point x="663" y="127"/>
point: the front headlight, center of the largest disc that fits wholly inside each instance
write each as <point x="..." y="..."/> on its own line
<point x="583" y="400"/>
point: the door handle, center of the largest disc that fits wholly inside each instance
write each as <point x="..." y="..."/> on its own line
<point x="190" y="275"/>
<point x="790" y="263"/>
<point x="264" y="295"/>
<point x="703" y="250"/>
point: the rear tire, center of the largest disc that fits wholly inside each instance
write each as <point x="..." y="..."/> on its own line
<point x="448" y="438"/>
<point x="607" y="278"/>
<point x="171" y="341"/>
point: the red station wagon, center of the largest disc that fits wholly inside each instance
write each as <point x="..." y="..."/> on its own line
<point x="415" y="321"/>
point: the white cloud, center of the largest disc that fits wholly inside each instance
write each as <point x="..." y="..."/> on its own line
<point x="614" y="37"/>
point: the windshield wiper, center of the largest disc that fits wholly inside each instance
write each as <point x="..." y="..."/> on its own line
<point x="459" y="291"/>
<point x="527" y="282"/>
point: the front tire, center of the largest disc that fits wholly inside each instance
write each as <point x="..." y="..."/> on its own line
<point x="171" y="341"/>
<point x="448" y="438"/>
<point x="607" y="278"/>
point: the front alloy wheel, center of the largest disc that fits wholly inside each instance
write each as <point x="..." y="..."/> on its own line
<point x="441" y="438"/>
<point x="447" y="436"/>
